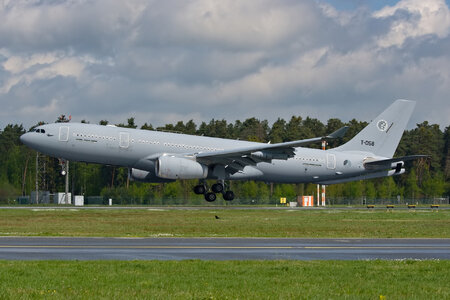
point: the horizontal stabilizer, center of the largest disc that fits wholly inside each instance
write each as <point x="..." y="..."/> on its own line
<point x="378" y="164"/>
<point x="365" y="176"/>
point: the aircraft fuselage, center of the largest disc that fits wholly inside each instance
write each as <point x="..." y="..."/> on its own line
<point x="135" y="148"/>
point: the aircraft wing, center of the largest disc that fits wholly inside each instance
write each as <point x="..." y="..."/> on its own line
<point x="236" y="159"/>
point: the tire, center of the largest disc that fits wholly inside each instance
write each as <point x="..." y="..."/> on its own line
<point x="228" y="196"/>
<point x="199" y="189"/>
<point x="217" y="188"/>
<point x="210" y="197"/>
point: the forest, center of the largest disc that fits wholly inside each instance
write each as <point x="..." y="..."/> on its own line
<point x="425" y="179"/>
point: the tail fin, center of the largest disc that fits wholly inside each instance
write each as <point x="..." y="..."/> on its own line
<point x="382" y="135"/>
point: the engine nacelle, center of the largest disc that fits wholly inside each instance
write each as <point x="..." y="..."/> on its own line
<point x="171" y="167"/>
<point x="145" y="176"/>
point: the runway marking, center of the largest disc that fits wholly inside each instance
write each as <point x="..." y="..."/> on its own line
<point x="377" y="247"/>
<point x="222" y="247"/>
<point x="150" y="247"/>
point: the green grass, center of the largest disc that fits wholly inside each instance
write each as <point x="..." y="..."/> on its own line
<point x="225" y="280"/>
<point x="232" y="223"/>
<point x="193" y="279"/>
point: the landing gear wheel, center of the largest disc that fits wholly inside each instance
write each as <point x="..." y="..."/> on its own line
<point x="210" y="197"/>
<point x="199" y="189"/>
<point x="228" y="196"/>
<point x="217" y="188"/>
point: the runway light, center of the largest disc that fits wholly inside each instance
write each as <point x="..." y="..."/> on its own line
<point x="370" y="206"/>
<point x="411" y="206"/>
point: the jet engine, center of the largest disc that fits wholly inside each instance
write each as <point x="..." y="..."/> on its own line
<point x="172" y="167"/>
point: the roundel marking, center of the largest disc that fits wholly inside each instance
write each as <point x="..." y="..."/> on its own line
<point x="382" y="125"/>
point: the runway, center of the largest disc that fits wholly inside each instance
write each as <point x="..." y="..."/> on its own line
<point x="40" y="248"/>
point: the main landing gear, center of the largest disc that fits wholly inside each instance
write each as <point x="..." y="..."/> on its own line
<point x="217" y="188"/>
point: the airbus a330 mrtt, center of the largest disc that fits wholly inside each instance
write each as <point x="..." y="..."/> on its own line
<point x="154" y="156"/>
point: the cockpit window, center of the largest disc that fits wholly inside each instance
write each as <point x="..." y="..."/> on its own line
<point x="42" y="130"/>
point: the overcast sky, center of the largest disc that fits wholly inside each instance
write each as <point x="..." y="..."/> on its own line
<point x="171" y="60"/>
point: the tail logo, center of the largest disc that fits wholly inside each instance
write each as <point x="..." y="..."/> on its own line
<point x="382" y="125"/>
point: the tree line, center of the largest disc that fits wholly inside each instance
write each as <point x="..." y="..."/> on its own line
<point x="425" y="178"/>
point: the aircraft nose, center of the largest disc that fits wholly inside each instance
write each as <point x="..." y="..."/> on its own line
<point x="27" y="139"/>
<point x="24" y="138"/>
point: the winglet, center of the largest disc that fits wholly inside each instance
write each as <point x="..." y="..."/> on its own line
<point x="338" y="133"/>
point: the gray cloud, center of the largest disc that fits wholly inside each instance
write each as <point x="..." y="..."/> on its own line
<point x="164" y="61"/>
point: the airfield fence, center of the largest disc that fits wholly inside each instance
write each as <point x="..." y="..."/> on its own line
<point x="330" y="201"/>
<point x="383" y="201"/>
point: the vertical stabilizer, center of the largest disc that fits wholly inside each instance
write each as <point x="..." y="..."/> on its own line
<point x="382" y="135"/>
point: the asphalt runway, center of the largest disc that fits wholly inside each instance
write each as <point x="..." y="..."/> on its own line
<point x="39" y="248"/>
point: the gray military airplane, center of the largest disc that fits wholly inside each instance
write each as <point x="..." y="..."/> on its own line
<point x="154" y="156"/>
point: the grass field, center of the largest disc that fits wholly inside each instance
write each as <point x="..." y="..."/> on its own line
<point x="225" y="280"/>
<point x="231" y="223"/>
<point x="193" y="279"/>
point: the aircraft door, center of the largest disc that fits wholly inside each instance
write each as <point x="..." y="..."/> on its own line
<point x="63" y="133"/>
<point x="124" y="140"/>
<point x="331" y="161"/>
